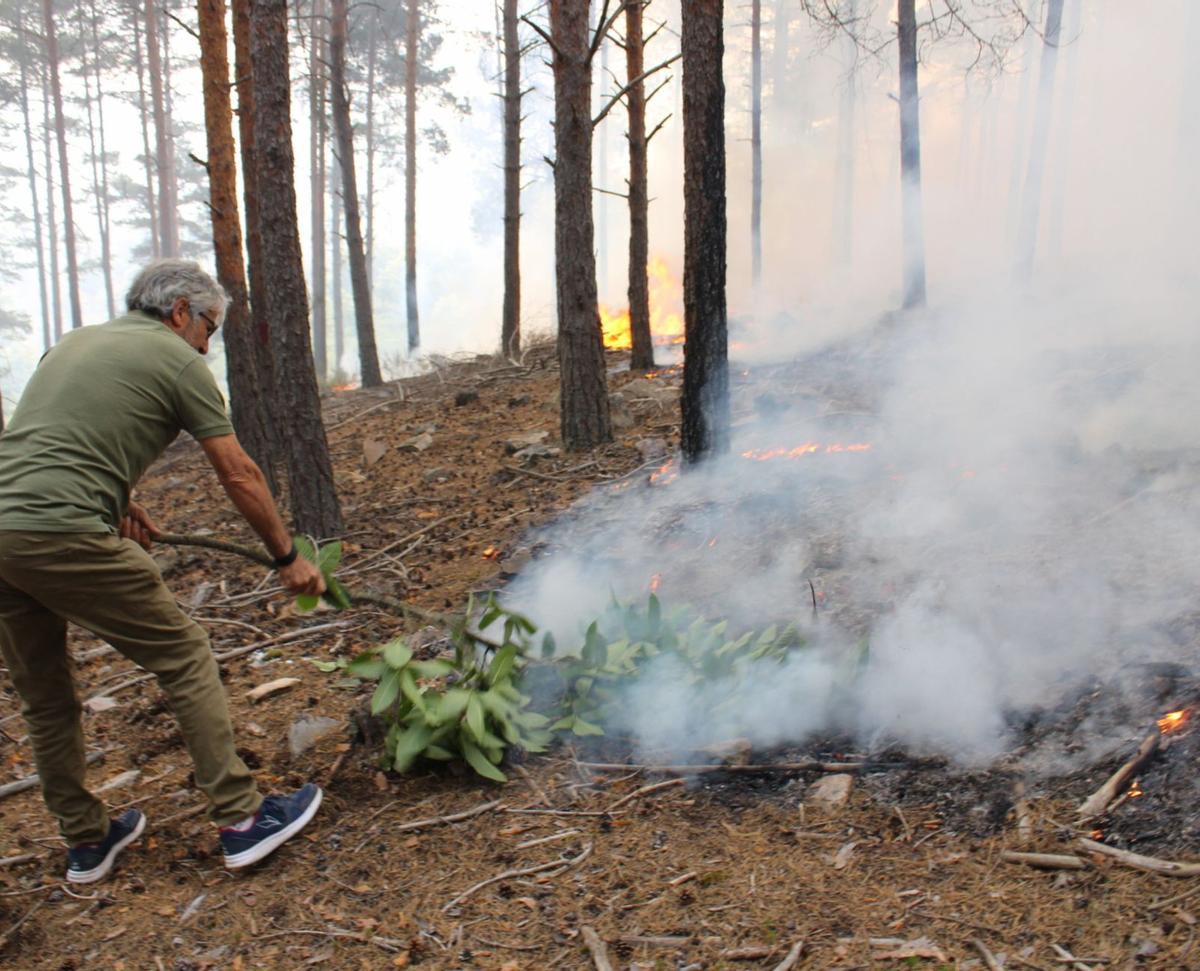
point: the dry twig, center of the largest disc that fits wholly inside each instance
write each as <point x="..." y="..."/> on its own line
<point x="1098" y="801"/>
<point x="560" y="864"/>
<point x="452" y="818"/>
<point x="597" y="947"/>
<point x="1045" y="861"/>
<point x="988" y="957"/>
<point x="644" y="791"/>
<point x="1151" y="864"/>
<point x="793" y="957"/>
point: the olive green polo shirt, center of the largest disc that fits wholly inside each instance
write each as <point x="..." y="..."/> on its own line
<point x="102" y="405"/>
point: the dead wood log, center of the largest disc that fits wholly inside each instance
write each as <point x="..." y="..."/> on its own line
<point x="1044" y="861"/>
<point x="1099" y="800"/>
<point x="1151" y="864"/>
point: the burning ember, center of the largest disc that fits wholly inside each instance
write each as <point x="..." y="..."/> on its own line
<point x="1172" y="722"/>
<point x="665" y="474"/>
<point x="1136" y="791"/>
<point x="491" y="553"/>
<point x="666" y="326"/>
<point x="808" y="448"/>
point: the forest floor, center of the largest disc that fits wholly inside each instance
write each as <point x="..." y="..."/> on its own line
<point x="727" y="870"/>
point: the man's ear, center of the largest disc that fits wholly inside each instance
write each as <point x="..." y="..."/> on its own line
<point x="180" y="315"/>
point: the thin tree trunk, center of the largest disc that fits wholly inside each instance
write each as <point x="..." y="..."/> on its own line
<point x="510" y="327"/>
<point x="51" y="218"/>
<point x="247" y="394"/>
<point x="144" y="114"/>
<point x="164" y="23"/>
<point x="163" y="150"/>
<point x="412" y="35"/>
<point x="779" y="58"/>
<point x="756" y="160"/>
<point x="368" y="356"/>
<point x="1059" y="189"/>
<point x="910" y="160"/>
<point x="601" y="202"/>
<point x="39" y="242"/>
<point x="314" y="499"/>
<point x="316" y="161"/>
<point x="106" y="198"/>
<point x="1013" y="211"/>
<point x="372" y="49"/>
<point x="1031" y="201"/>
<point x="642" y="355"/>
<point x="60" y="130"/>
<point x="99" y="186"/>
<point x="335" y="242"/>
<point x="584" y="411"/>
<point x="843" y="194"/>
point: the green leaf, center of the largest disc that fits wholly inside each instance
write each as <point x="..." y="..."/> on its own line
<point x="368" y="666"/>
<point x="335" y="594"/>
<point x="437" y="667"/>
<point x="502" y="664"/>
<point x="593" y="646"/>
<point x="306" y="602"/>
<point x="490" y="615"/>
<point x="409" y="745"/>
<point x="563" y="723"/>
<point x="397" y="654"/>
<point x="452" y="704"/>
<point x="479" y="762"/>
<point x="437" y="752"/>
<point x="653" y="614"/>
<point x="581" y="727"/>
<point x="326" y="667"/>
<point x="408" y="685"/>
<point x="387" y="692"/>
<point x="549" y="647"/>
<point x="304" y="546"/>
<point x="475" y="717"/>
<point x="329" y="556"/>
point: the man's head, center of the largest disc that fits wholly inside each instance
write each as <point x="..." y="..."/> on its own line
<point x="183" y="297"/>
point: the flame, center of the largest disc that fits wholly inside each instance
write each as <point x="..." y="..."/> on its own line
<point x="655" y="582"/>
<point x="666" y="324"/>
<point x="665" y="474"/>
<point x="491" y="553"/>
<point x="808" y="448"/>
<point x="1172" y="722"/>
<point x="1136" y="791"/>
<point x="345" y="387"/>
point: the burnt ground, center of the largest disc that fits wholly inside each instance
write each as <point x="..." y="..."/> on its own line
<point x="702" y="873"/>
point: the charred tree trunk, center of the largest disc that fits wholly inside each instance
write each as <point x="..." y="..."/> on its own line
<point x="756" y="159"/>
<point x="510" y="325"/>
<point x="164" y="150"/>
<point x="316" y="181"/>
<point x="39" y="242"/>
<point x="910" y="160"/>
<point x="1031" y="203"/>
<point x="843" y="193"/>
<point x="51" y="218"/>
<point x="335" y="243"/>
<point x="705" y="397"/>
<point x="585" y="419"/>
<point x="64" y="177"/>
<point x="412" y="36"/>
<point x="368" y="356"/>
<point x="642" y="356"/>
<point x="247" y="395"/>
<point x="144" y="114"/>
<point x="314" y="499"/>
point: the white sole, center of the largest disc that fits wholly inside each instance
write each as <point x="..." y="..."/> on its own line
<point x="101" y="871"/>
<point x="272" y="843"/>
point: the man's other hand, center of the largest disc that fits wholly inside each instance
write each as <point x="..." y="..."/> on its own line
<point x="302" y="576"/>
<point x="138" y="526"/>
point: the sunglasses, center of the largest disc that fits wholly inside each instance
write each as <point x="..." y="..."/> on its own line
<point x="210" y="324"/>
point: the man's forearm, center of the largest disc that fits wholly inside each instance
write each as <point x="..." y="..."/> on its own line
<point x="247" y="490"/>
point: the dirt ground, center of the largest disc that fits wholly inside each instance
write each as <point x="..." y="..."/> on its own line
<point x="732" y="869"/>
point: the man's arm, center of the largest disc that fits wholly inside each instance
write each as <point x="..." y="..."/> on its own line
<point x="246" y="487"/>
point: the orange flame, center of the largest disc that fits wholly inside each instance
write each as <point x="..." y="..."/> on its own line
<point x="666" y="322"/>
<point x="1172" y="722"/>
<point x="808" y="448"/>
<point x="665" y="474"/>
<point x="491" y="553"/>
<point x="1136" y="791"/>
<point x="345" y="387"/>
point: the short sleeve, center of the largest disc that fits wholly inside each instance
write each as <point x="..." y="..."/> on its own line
<point x="200" y="403"/>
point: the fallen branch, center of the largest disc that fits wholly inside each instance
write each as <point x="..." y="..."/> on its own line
<point x="386" y="943"/>
<point x="755" y="952"/>
<point x="21" y="858"/>
<point x="793" y="956"/>
<point x="560" y="864"/>
<point x="644" y="791"/>
<point x="1151" y="864"/>
<point x="12" y="788"/>
<point x="17" y="926"/>
<point x="1099" y="800"/>
<point x="1045" y="861"/>
<point x="445" y="820"/>
<point x="597" y="947"/>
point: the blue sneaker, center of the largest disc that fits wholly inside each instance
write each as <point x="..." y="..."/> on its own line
<point x="90" y="862"/>
<point x="277" y="821"/>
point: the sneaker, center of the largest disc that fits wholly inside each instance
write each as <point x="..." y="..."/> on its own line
<point x="90" y="862"/>
<point x="277" y="821"/>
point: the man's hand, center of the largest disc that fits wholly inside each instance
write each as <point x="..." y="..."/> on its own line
<point x="138" y="526"/>
<point x="301" y="576"/>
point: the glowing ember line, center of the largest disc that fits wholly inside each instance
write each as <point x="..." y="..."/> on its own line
<point x="1172" y="721"/>
<point x="808" y="448"/>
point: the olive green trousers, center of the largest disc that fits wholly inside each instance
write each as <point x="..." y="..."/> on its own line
<point x="113" y="588"/>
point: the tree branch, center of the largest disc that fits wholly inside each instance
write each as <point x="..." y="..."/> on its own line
<point x="632" y="84"/>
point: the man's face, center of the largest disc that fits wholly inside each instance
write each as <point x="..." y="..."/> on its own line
<point x="194" y="324"/>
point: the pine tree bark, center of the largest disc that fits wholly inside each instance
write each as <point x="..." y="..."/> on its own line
<point x="372" y="52"/>
<point x="705" y="397"/>
<point x="247" y="394"/>
<point x="39" y="242"/>
<point x="910" y="160"/>
<point x="412" y="37"/>
<point x="314" y="501"/>
<point x="756" y="149"/>
<point x="64" y="177"/>
<point x="510" y="323"/>
<point x="316" y="181"/>
<point x="1031" y="203"/>
<point x="642" y="354"/>
<point x="584" y="417"/>
<point x="368" y="356"/>
<point x="164" y="149"/>
<point x="51" y="218"/>
<point x="335" y="243"/>
<point x="144" y="115"/>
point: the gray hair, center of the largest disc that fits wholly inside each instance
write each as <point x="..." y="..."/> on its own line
<point x="156" y="288"/>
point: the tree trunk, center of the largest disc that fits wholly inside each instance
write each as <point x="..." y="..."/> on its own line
<point x="39" y="242"/>
<point x="316" y="181"/>
<point x="164" y="23"/>
<point x="756" y="160"/>
<point x="60" y="130"/>
<point x="164" y="150"/>
<point x="642" y="356"/>
<point x="247" y="395"/>
<point x="910" y="160"/>
<point x="364" y="319"/>
<point x="412" y="35"/>
<point x="705" y="397"/>
<point x="144" y="114"/>
<point x="335" y="242"/>
<point x="95" y="124"/>
<point x="1073" y="15"/>
<point x="843" y="193"/>
<point x="584" y="418"/>
<point x="372" y="49"/>
<point x="1031" y="201"/>
<point x="51" y="218"/>
<point x="600" y="134"/>
<point x="510" y="325"/>
<point x="314" y="499"/>
<point x="779" y="58"/>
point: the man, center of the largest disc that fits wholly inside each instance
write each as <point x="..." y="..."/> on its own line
<point x="102" y="405"/>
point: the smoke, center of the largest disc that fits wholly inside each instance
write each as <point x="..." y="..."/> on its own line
<point x="1026" y="519"/>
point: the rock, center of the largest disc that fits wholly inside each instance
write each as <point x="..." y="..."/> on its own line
<point x="652" y="449"/>
<point x="436" y="475"/>
<point x="418" y="444"/>
<point x="117" y="781"/>
<point x="271" y="688"/>
<point x="373" y="451"/>
<point x="519" y="400"/>
<point x="307" y="730"/>
<point x="524" y="440"/>
<point x="534" y="452"/>
<point x="832" y="790"/>
<point x="101" y="703"/>
<point x="466" y="398"/>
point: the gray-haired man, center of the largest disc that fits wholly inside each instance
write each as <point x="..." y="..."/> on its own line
<point x="102" y="405"/>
